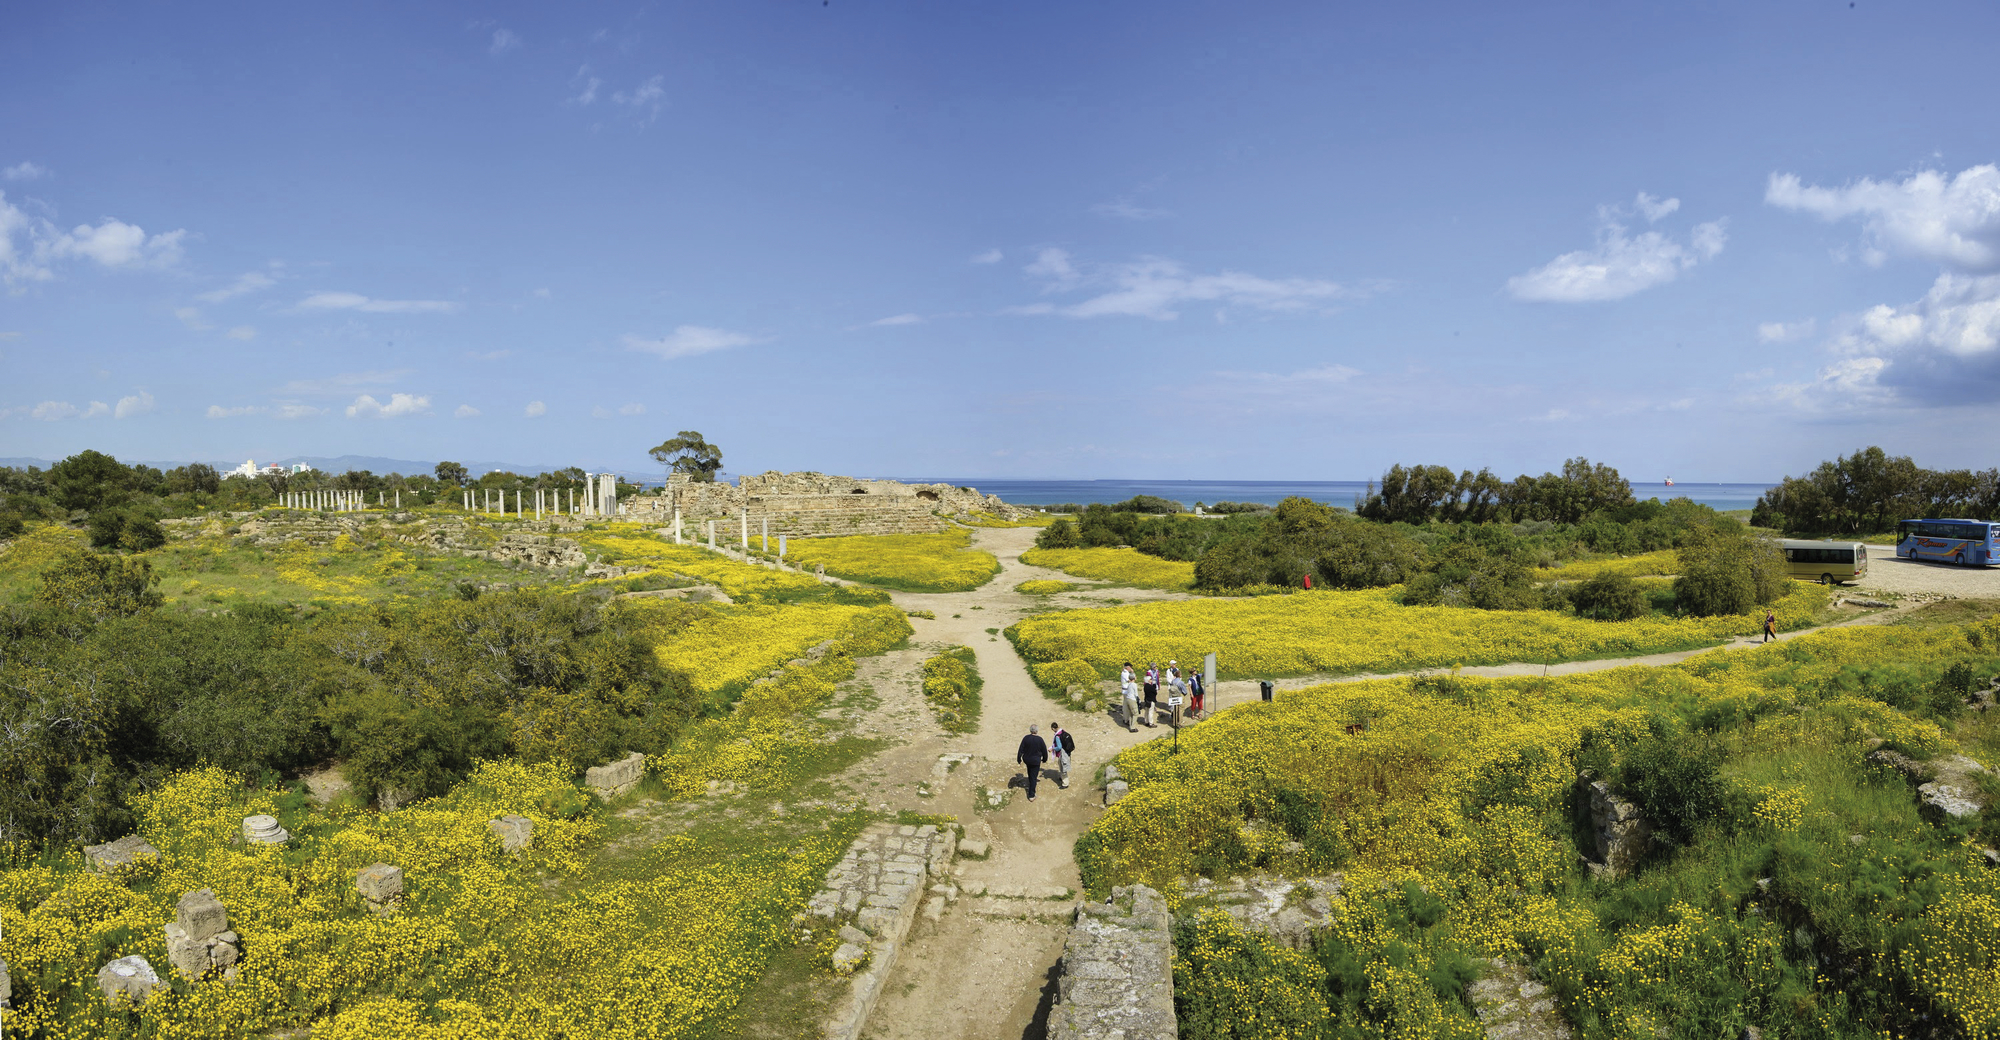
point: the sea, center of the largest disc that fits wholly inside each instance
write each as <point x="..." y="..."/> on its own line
<point x="1342" y="493"/>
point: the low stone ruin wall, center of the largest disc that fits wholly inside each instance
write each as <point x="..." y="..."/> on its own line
<point x="1117" y="971"/>
<point x="870" y="899"/>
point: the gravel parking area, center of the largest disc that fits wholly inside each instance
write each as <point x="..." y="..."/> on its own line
<point x="1886" y="573"/>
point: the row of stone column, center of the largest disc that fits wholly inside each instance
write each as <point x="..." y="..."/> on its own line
<point x="333" y="500"/>
<point x="743" y="533"/>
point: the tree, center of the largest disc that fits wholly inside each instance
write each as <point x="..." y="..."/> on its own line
<point x="688" y="453"/>
<point x="99" y="585"/>
<point x="1725" y="570"/>
<point x="450" y="474"/>
<point x="194" y="477"/>
<point x="90" y="480"/>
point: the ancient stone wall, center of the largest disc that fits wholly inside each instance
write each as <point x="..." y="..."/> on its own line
<point x="1117" y="971"/>
<point x="805" y="505"/>
<point x="870" y="899"/>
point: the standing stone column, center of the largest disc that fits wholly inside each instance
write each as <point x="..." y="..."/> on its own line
<point x="607" y="487"/>
<point x="781" y="548"/>
<point x="518" y="514"/>
<point x="711" y="534"/>
<point x="677" y="527"/>
<point x="744" y="517"/>
<point x="589" y="495"/>
<point x="767" y="533"/>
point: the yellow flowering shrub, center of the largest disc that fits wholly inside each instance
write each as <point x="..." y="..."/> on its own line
<point x="912" y="562"/>
<point x="1044" y="587"/>
<point x="1119" y="566"/>
<point x="1060" y="675"/>
<point x="1343" y="632"/>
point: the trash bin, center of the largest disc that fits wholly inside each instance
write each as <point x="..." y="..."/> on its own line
<point x="1265" y="685"/>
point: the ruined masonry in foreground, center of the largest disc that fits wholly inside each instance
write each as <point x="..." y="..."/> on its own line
<point x="1118" y="971"/>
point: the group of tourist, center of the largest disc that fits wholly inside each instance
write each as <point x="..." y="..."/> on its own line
<point x="1184" y="689"/>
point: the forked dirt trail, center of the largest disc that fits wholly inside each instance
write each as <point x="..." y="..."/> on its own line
<point x="986" y="968"/>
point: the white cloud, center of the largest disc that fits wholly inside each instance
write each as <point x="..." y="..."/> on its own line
<point x="631" y="409"/>
<point x="1785" y="332"/>
<point x="1125" y="209"/>
<point x="244" y="283"/>
<point x="191" y="317"/>
<point x="542" y="293"/>
<point x="50" y="411"/>
<point x="330" y="301"/>
<point x="216" y="411"/>
<point x="115" y="243"/>
<point x="689" y="340"/>
<point x="243" y="332"/>
<point x="137" y="404"/>
<point x="1152" y="287"/>
<point x="898" y="319"/>
<point x="24" y="171"/>
<point x="366" y="406"/>
<point x="991" y="256"/>
<point x="1654" y="209"/>
<point x="647" y="98"/>
<point x="1620" y="265"/>
<point x="503" y="41"/>
<point x="1942" y="349"/>
<point x="1949" y="219"/>
<point x="600" y="412"/>
<point x="586" y="86"/>
<point x="294" y="410"/>
<point x="535" y="410"/>
<point x="464" y="411"/>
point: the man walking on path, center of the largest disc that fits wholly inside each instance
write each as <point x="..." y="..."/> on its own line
<point x="1032" y="754"/>
<point x="1061" y="745"/>
<point x="1770" y="626"/>
<point x="1129" y="687"/>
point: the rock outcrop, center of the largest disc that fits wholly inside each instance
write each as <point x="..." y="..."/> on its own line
<point x="1947" y="788"/>
<point x="113" y="856"/>
<point x="199" y="939"/>
<point x="1622" y="832"/>
<point x="1117" y="971"/>
<point x="1290" y="910"/>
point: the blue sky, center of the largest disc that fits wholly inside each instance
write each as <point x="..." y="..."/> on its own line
<point x="1163" y="240"/>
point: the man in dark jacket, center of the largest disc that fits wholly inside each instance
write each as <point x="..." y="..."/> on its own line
<point x="1034" y="751"/>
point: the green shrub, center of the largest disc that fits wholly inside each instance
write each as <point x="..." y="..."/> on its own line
<point x="1674" y="779"/>
<point x="1609" y="597"/>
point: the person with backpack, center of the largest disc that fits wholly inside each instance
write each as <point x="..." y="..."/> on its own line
<point x="1061" y="745"/>
<point x="1152" y="692"/>
<point x="1033" y="752"/>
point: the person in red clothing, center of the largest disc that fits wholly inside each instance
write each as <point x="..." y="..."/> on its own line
<point x="1307" y="583"/>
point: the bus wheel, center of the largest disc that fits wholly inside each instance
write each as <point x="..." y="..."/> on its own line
<point x="1958" y="560"/>
<point x="1826" y="579"/>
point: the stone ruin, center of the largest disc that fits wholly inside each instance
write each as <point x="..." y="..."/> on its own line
<point x="113" y="856"/>
<point x="264" y="830"/>
<point x="870" y="900"/>
<point x="199" y="939"/>
<point x="1947" y="786"/>
<point x="615" y="778"/>
<point x="1118" y="971"/>
<point x="6" y="987"/>
<point x="801" y="505"/>
<point x="381" y="887"/>
<point x="514" y="832"/>
<point x="128" y="982"/>
<point x="1622" y="832"/>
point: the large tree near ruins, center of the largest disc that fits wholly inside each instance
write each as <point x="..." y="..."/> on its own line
<point x="688" y="453"/>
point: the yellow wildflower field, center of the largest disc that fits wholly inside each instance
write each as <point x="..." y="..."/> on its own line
<point x="1448" y="801"/>
<point x="911" y="562"/>
<point x="1119" y="566"/>
<point x="631" y="545"/>
<point x="1666" y="561"/>
<point x="725" y="646"/>
<point x="1345" y="633"/>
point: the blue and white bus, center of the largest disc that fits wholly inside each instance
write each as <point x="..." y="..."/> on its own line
<point x="1967" y="543"/>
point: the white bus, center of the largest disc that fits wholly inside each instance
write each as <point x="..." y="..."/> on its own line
<point x="1828" y="563"/>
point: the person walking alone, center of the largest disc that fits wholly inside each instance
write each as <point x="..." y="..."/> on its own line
<point x="1061" y="745"/>
<point x="1129" y="687"/>
<point x="1770" y="626"/>
<point x="1033" y="752"/>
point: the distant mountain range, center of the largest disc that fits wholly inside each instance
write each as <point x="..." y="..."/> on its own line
<point x="344" y="463"/>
